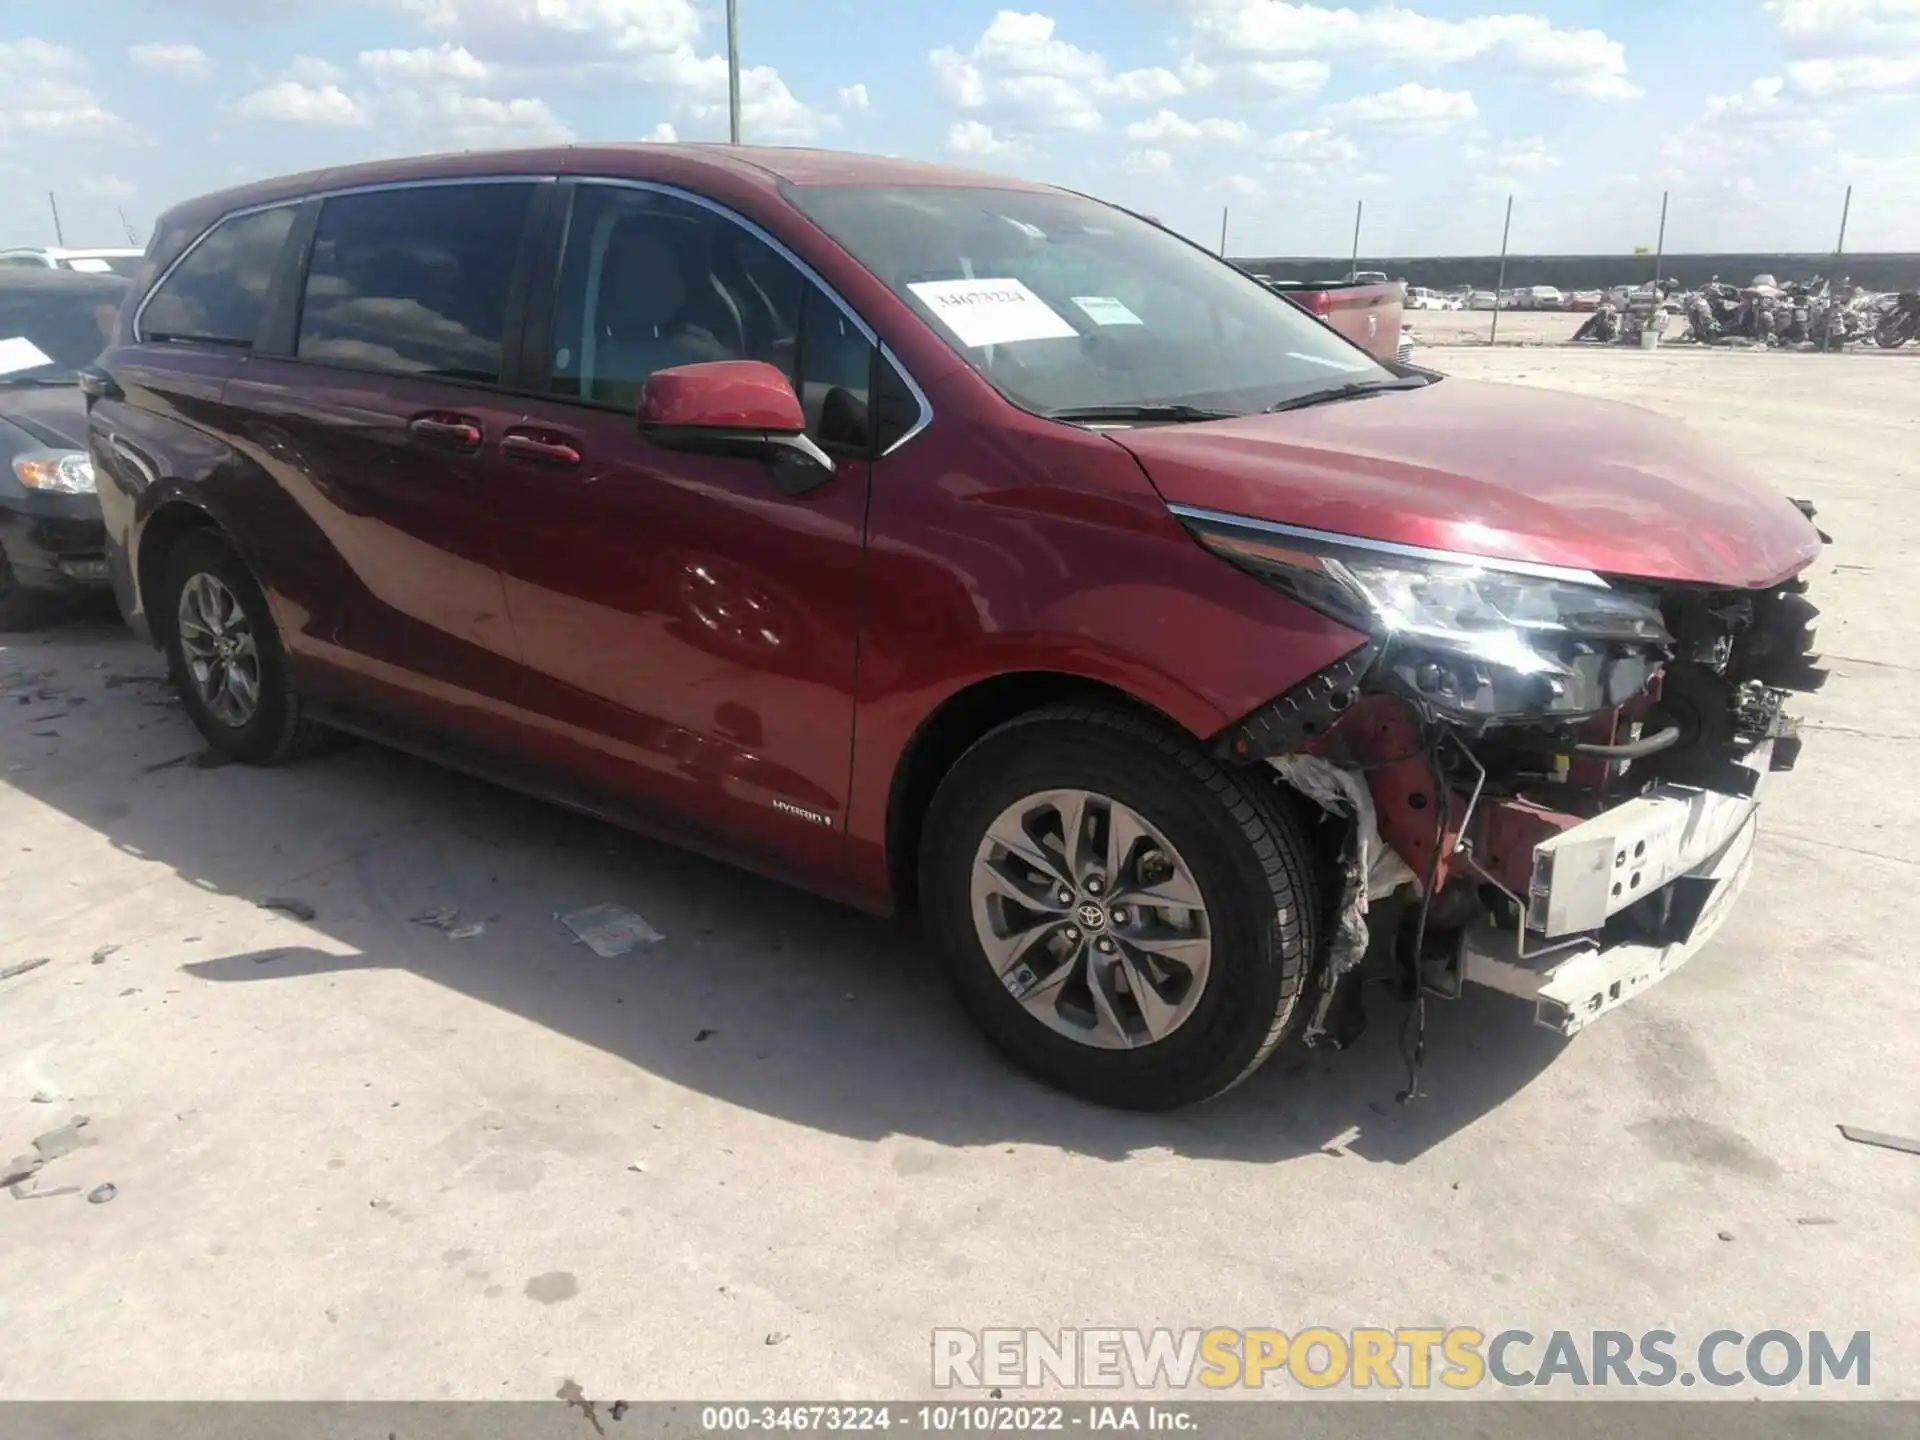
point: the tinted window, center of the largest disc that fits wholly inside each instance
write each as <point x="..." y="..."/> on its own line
<point x="414" y="280"/>
<point x="219" y="291"/>
<point x="648" y="281"/>
<point x="1060" y="301"/>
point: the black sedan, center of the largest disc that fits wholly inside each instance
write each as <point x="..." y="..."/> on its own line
<point x="52" y="322"/>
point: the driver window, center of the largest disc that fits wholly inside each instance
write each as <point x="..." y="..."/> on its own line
<point x="649" y="281"/>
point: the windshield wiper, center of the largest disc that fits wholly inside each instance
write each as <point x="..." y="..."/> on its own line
<point x="1175" y="413"/>
<point x="1354" y="390"/>
<point x="8" y="381"/>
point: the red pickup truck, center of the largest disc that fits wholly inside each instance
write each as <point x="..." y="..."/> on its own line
<point x="1366" y="312"/>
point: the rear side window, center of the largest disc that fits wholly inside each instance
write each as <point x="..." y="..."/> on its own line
<point x="218" y="293"/>
<point x="415" y="281"/>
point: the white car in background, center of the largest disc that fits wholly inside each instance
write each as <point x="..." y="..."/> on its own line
<point x="109" y="260"/>
<point x="1482" y="300"/>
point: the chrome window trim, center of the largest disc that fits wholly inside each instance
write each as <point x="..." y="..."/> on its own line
<point x="1534" y="569"/>
<point x="759" y="232"/>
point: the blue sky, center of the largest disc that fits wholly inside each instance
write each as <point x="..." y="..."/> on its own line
<point x="1754" y="115"/>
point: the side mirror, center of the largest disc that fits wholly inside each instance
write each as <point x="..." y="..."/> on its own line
<point x="735" y="407"/>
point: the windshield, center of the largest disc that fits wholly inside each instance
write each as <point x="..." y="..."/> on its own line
<point x="52" y="323"/>
<point x="1063" y="303"/>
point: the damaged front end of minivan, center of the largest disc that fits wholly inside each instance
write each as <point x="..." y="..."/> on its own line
<point x="1545" y="779"/>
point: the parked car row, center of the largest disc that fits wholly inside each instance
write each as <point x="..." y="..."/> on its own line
<point x="952" y="544"/>
<point x="53" y="321"/>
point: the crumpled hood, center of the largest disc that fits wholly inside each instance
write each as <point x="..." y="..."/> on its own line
<point x="1502" y="471"/>
<point x="56" y="418"/>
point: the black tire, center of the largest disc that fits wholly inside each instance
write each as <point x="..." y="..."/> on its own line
<point x="20" y="608"/>
<point x="1247" y="854"/>
<point x="1893" y="332"/>
<point x="277" y="729"/>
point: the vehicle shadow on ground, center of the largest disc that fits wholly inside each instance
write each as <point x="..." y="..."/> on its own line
<point x="760" y="996"/>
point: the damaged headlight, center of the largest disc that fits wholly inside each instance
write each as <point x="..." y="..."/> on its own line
<point x="1466" y="635"/>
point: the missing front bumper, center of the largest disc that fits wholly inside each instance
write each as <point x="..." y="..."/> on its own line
<point x="1575" y="983"/>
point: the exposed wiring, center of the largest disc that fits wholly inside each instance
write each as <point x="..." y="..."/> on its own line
<point x="1631" y="749"/>
<point x="1416" y="1018"/>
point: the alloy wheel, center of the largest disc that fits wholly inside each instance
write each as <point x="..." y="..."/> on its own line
<point x="1091" y="919"/>
<point x="221" y="653"/>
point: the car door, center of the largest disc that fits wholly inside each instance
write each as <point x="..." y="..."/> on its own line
<point x="376" y="422"/>
<point x="688" y="632"/>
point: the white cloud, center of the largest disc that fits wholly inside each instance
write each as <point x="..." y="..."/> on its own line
<point x="1532" y="154"/>
<point x="1167" y="126"/>
<point x="295" y="103"/>
<point x="577" y="43"/>
<point x="1023" y="78"/>
<point x="1308" y="152"/>
<point x="1737" y="131"/>
<point x="1855" y="75"/>
<point x="1152" y="83"/>
<point x="535" y="28"/>
<point x="973" y="137"/>
<point x="854" y="97"/>
<point x="1410" y="107"/>
<point x="1581" y="62"/>
<point x="1245" y="186"/>
<point x="1848" y="27"/>
<point x="312" y="70"/>
<point x="189" y="62"/>
<point x="662" y="134"/>
<point x="108" y="187"/>
<point x="1258" y="79"/>
<point x="1147" y="162"/>
<point x="403" y="67"/>
<point x="770" y="113"/>
<point x="481" y="122"/>
<point x="42" y="95"/>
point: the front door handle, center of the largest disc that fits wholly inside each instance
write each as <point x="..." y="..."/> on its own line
<point x="455" y="432"/>
<point x="546" y="447"/>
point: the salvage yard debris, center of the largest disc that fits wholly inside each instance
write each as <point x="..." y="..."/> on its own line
<point x="1881" y="1138"/>
<point x="609" y="931"/>
<point x="24" y="966"/>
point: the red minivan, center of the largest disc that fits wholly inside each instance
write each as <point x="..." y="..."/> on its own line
<point x="943" y="542"/>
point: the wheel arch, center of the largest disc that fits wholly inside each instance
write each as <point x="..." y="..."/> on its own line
<point x="159" y="534"/>
<point x="953" y="728"/>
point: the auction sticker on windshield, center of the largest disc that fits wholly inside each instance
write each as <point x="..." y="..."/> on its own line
<point x="1107" y="310"/>
<point x="992" y="312"/>
<point x="20" y="353"/>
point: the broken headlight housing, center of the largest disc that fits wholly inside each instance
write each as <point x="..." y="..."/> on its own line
<point x="1469" y="637"/>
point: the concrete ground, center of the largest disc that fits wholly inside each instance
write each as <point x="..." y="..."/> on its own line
<point x="356" y="1158"/>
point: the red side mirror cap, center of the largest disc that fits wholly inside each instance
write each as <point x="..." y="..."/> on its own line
<point x="722" y="395"/>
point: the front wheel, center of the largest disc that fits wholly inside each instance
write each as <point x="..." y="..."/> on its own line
<point x="226" y="656"/>
<point x="1893" y="332"/>
<point x="1123" y="918"/>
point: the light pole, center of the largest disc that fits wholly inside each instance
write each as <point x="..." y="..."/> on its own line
<point x="733" y="71"/>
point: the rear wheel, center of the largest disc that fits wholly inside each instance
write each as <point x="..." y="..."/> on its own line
<point x="1893" y="332"/>
<point x="226" y="657"/>
<point x="1122" y="917"/>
